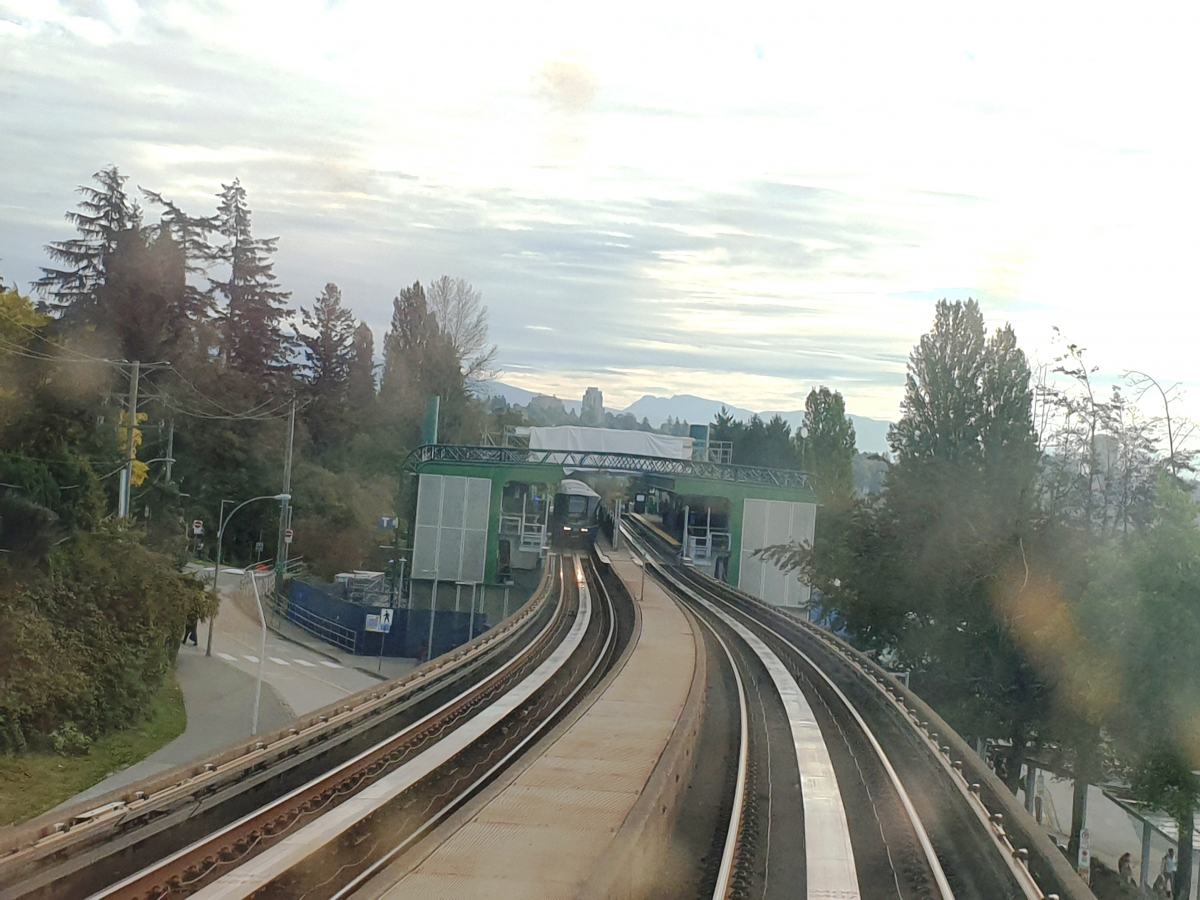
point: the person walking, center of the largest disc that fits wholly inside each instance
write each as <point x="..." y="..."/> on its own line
<point x="189" y="630"/>
<point x="1169" y="864"/>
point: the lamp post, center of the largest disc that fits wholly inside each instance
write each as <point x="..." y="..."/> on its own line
<point x="641" y="564"/>
<point x="220" y="540"/>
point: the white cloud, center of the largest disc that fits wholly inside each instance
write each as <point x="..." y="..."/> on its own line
<point x="773" y="196"/>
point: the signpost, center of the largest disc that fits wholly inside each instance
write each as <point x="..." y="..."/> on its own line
<point x="381" y="623"/>
<point x="1085" y="856"/>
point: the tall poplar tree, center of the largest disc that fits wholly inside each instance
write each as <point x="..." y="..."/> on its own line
<point x="254" y="341"/>
<point x="828" y="449"/>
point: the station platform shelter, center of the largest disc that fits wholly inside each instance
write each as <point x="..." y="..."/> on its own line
<point x="483" y="512"/>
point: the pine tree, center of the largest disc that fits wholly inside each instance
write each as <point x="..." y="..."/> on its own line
<point x="191" y="234"/>
<point x="254" y="342"/>
<point x="329" y="349"/>
<point x="414" y="351"/>
<point x="361" y="376"/>
<point x="142" y="303"/>
<point x="104" y="214"/>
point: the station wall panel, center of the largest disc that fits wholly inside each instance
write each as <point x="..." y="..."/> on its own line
<point x="766" y="523"/>
<point x="450" y="535"/>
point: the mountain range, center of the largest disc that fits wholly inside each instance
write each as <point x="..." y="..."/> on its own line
<point x="870" y="434"/>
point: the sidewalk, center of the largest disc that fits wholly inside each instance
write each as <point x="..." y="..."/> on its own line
<point x="220" y="703"/>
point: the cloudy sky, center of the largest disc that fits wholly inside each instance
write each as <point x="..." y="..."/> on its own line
<point x="735" y="201"/>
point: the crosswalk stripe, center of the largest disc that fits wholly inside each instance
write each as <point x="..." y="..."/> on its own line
<point x="331" y="665"/>
<point x="227" y="657"/>
<point x="276" y="659"/>
<point x="304" y="662"/>
<point x="252" y="659"/>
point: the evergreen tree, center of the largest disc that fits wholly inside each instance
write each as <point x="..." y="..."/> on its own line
<point x="329" y="349"/>
<point x="361" y="376"/>
<point x="142" y="304"/>
<point x="828" y="449"/>
<point x="104" y="214"/>
<point x="418" y="361"/>
<point x="191" y="234"/>
<point x="254" y="342"/>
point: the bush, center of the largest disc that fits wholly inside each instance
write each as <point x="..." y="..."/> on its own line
<point x="67" y="740"/>
<point x="86" y="639"/>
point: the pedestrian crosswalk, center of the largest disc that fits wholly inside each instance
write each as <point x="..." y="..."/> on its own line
<point x="281" y="662"/>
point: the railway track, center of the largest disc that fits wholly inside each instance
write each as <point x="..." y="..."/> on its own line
<point x="913" y="826"/>
<point x="311" y="811"/>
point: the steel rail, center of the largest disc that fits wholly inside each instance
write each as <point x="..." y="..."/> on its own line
<point x="193" y="862"/>
<point x="724" y="885"/>
<point x="473" y="788"/>
<point x="1015" y="859"/>
<point x="223" y="775"/>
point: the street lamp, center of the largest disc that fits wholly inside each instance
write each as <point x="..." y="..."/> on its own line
<point x="220" y="540"/>
<point x="641" y="564"/>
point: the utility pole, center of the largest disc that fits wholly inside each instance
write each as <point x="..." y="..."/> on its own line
<point x="130" y="446"/>
<point x="281" y="548"/>
<point x="170" y="448"/>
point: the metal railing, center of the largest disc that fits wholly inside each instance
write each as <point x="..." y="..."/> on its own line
<point x="326" y="629"/>
<point x="612" y="462"/>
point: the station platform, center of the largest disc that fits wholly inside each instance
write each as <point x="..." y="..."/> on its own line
<point x="552" y="829"/>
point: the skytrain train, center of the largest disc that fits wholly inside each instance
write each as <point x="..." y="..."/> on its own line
<point x="575" y="518"/>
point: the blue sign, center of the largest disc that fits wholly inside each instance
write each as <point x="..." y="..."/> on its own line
<point x="387" y="523"/>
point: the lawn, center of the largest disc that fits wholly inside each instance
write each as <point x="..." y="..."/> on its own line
<point x="32" y="783"/>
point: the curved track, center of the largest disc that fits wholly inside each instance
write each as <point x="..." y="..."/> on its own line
<point x="388" y="780"/>
<point x="913" y="834"/>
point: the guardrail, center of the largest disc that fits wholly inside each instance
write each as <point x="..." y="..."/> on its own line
<point x="612" y="462"/>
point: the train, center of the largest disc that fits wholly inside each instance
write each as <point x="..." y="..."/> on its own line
<point x="575" y="516"/>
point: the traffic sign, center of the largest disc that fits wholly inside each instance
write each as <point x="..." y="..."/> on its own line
<point x="381" y="623"/>
<point x="287" y="536"/>
<point x="1085" y="856"/>
<point x="387" y="523"/>
<point x="197" y="526"/>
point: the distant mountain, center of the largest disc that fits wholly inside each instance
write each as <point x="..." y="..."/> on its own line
<point x="870" y="434"/>
<point x="689" y="408"/>
<point x="520" y="396"/>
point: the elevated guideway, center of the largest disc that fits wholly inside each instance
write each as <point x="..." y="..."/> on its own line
<point x="923" y="817"/>
<point x="591" y="811"/>
<point x="287" y="815"/>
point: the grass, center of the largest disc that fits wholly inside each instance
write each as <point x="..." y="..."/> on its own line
<point x="32" y="783"/>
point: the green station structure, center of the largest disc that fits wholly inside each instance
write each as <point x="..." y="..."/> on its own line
<point x="758" y="507"/>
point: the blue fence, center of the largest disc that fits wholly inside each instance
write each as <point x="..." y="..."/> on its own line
<point x="343" y="624"/>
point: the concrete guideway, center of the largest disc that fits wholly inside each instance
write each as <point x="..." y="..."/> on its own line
<point x="570" y="820"/>
<point x="297" y="847"/>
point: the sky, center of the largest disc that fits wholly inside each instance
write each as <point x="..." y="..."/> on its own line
<point x="735" y="201"/>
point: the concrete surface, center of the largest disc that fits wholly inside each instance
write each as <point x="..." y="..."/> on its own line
<point x="220" y="704"/>
<point x="545" y="833"/>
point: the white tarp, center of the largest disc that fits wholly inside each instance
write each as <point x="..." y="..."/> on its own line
<point x="610" y="440"/>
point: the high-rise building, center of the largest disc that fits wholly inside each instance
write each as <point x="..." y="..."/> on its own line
<point x="592" y="411"/>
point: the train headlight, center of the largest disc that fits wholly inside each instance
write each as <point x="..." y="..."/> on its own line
<point x="566" y="528"/>
<point x="584" y="530"/>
